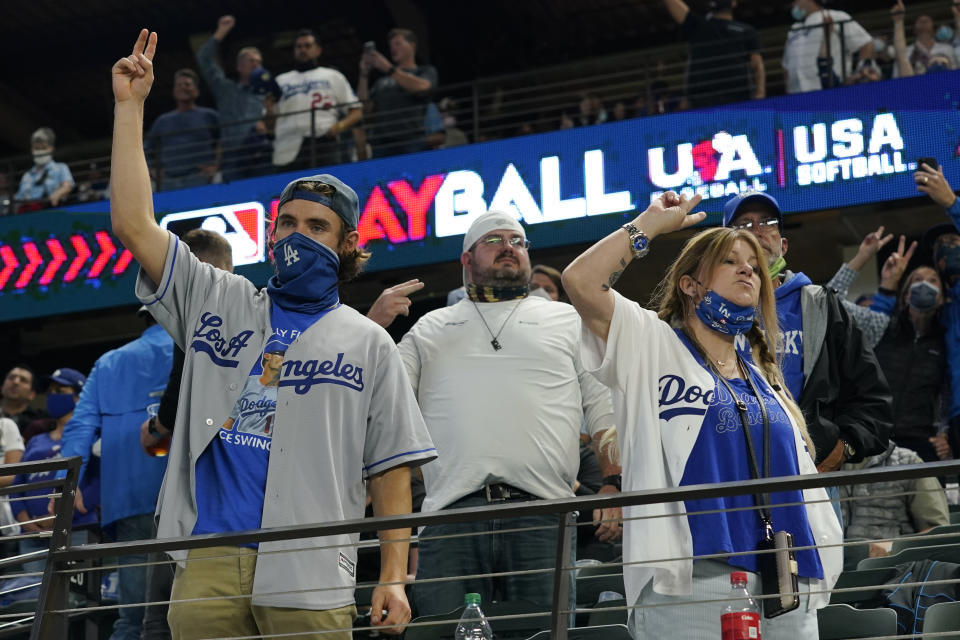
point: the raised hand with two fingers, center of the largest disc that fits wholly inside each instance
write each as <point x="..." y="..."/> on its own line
<point x="133" y="74"/>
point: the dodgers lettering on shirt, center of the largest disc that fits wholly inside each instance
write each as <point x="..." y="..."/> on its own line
<point x="720" y="455"/>
<point x="232" y="471"/>
<point x="790" y="319"/>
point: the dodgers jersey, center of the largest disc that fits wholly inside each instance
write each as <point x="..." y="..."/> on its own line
<point x="661" y="395"/>
<point x="344" y="411"/>
<point x="324" y="90"/>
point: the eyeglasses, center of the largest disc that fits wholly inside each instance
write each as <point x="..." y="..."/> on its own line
<point x="498" y="241"/>
<point x="759" y="226"/>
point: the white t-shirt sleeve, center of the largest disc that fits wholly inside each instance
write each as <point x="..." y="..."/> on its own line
<point x="10" y="438"/>
<point x="633" y="335"/>
<point x="597" y="403"/>
<point x="410" y="354"/>
<point x="855" y="36"/>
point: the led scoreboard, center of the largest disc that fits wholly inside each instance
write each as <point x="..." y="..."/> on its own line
<point x="826" y="149"/>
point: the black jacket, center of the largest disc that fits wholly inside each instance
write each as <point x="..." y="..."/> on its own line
<point x="916" y="368"/>
<point x="845" y="394"/>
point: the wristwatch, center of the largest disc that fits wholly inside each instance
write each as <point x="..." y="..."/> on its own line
<point x="848" y="450"/>
<point x="639" y="242"/>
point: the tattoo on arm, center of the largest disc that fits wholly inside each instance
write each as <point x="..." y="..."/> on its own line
<point x="614" y="276"/>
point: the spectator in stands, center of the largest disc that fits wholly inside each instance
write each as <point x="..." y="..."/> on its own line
<point x="674" y="374"/>
<point x="396" y="103"/>
<point x="548" y="279"/>
<point x="375" y="431"/>
<point x="531" y="379"/>
<point x="590" y="111"/>
<point x="827" y="366"/>
<point x="47" y="183"/>
<point x="891" y="509"/>
<point x="926" y="54"/>
<point x="243" y="135"/>
<point x="183" y="144"/>
<point x="804" y="41"/>
<point x="11" y="452"/>
<point x="454" y="136"/>
<point x="62" y="396"/>
<point x="16" y="394"/>
<point x="943" y="243"/>
<point x="124" y="382"/>
<point x="866" y="72"/>
<point x="311" y="90"/>
<point x="725" y="63"/>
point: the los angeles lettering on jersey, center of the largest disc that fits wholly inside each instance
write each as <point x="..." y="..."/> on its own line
<point x="303" y="374"/>
<point x="214" y="344"/>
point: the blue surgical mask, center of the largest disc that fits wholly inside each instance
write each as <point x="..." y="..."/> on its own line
<point x="944" y="34"/>
<point x="724" y="316"/>
<point x="60" y="404"/>
<point x="938" y="67"/>
<point x="307" y="273"/>
<point x="923" y="296"/>
<point x="798" y="14"/>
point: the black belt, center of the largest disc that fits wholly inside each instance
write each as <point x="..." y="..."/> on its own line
<point x="501" y="492"/>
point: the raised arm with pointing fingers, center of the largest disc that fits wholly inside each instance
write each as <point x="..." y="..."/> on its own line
<point x="131" y="201"/>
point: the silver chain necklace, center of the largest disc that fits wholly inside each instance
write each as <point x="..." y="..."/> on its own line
<point x="495" y="343"/>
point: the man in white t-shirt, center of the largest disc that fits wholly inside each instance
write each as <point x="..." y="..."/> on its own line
<point x="805" y="37"/>
<point x="312" y="89"/>
<point x="502" y="391"/>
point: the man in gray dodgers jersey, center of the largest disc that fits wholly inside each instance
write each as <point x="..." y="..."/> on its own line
<point x="342" y="407"/>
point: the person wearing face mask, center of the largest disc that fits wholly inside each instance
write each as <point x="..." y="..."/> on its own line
<point x="343" y="412"/>
<point x="47" y="183"/>
<point x="62" y="396"/>
<point x="806" y="37"/>
<point x="311" y="91"/>
<point x="683" y="427"/>
<point x="928" y="53"/>
<point x="913" y="356"/>
<point x="943" y="244"/>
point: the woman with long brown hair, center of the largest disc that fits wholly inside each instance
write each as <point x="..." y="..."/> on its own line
<point x="695" y="408"/>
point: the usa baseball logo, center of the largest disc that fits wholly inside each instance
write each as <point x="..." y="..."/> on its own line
<point x="242" y="225"/>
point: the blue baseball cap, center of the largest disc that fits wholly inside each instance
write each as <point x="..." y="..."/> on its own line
<point x="343" y="202"/>
<point x="69" y="378"/>
<point x="263" y="83"/>
<point x="736" y="204"/>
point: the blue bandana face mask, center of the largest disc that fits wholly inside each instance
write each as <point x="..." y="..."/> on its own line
<point x="60" y="404"/>
<point x="724" y="316"/>
<point x="307" y="273"/>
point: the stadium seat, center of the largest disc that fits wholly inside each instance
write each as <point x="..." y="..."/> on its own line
<point x="606" y="613"/>
<point x="594" y="580"/>
<point x="925" y="540"/>
<point x="943" y="552"/>
<point x="942" y="617"/>
<point x="604" y="632"/>
<point x="871" y="583"/>
<point x="843" y="622"/>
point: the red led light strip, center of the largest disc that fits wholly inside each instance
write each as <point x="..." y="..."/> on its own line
<point x="29" y="258"/>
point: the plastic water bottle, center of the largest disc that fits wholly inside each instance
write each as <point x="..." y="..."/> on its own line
<point x="473" y="624"/>
<point x="740" y="619"/>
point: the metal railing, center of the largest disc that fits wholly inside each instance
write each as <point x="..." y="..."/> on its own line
<point x="66" y="561"/>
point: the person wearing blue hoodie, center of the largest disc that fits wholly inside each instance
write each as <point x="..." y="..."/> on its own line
<point x="827" y="366"/>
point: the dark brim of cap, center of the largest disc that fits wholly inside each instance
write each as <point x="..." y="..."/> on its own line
<point x="930" y="235"/>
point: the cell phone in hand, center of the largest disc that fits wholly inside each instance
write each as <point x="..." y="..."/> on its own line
<point x="930" y="162"/>
<point x="369" y="46"/>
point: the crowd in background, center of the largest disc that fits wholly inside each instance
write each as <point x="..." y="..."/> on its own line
<point x="311" y="115"/>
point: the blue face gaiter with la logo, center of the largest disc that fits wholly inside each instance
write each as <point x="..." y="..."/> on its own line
<point x="306" y="278"/>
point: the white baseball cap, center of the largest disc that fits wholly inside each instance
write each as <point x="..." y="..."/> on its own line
<point x="489" y="221"/>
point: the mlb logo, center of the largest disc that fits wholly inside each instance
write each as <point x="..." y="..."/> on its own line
<point x="243" y="226"/>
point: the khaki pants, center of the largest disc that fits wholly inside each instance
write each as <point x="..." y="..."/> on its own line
<point x="209" y="576"/>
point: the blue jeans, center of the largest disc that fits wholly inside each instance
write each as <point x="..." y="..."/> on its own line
<point x="469" y="555"/>
<point x="133" y="580"/>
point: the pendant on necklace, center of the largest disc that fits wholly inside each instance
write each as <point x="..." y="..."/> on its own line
<point x="722" y="363"/>
<point x="495" y="344"/>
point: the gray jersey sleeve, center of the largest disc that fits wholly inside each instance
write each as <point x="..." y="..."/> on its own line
<point x="396" y="433"/>
<point x="410" y="354"/>
<point x="187" y="285"/>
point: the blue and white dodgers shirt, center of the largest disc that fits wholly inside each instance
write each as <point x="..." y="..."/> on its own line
<point x="658" y="433"/>
<point x="344" y="411"/>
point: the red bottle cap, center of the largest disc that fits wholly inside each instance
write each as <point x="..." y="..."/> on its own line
<point x="738" y="576"/>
